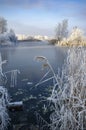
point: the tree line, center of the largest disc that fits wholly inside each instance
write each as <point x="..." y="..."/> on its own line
<point x="65" y="38"/>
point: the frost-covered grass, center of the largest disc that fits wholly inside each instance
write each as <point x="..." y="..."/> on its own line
<point x="4" y="100"/>
<point x="68" y="96"/>
<point x="4" y="117"/>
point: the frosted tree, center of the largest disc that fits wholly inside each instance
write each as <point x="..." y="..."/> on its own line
<point x="3" y="25"/>
<point x="6" y="38"/>
<point x="62" y="30"/>
<point x="76" y="36"/>
<point x="12" y="37"/>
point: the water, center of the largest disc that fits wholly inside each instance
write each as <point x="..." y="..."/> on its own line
<point x="22" y="58"/>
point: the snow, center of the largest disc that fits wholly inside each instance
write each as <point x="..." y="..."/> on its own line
<point x="20" y="103"/>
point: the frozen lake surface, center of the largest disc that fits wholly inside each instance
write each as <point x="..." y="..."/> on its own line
<point x="22" y="58"/>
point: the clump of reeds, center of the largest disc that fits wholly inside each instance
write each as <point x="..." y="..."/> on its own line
<point x="4" y="117"/>
<point x="69" y="92"/>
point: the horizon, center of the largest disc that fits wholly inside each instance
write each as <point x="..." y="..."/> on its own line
<point x="40" y="17"/>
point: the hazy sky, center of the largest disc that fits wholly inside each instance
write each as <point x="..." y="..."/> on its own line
<point x="35" y="17"/>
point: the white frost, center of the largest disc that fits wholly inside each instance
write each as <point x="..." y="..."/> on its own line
<point x="68" y="96"/>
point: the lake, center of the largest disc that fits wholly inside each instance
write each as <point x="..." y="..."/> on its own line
<point x="22" y="58"/>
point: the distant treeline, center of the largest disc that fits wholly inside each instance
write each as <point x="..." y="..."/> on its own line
<point x="28" y="40"/>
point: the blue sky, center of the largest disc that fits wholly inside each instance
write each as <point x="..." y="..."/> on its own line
<point x="35" y="17"/>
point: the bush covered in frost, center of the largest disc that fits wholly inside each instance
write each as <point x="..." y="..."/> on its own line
<point x="75" y="38"/>
<point x="8" y="38"/>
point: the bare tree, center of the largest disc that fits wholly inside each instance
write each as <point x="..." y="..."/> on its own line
<point x="3" y="25"/>
<point x="62" y="30"/>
